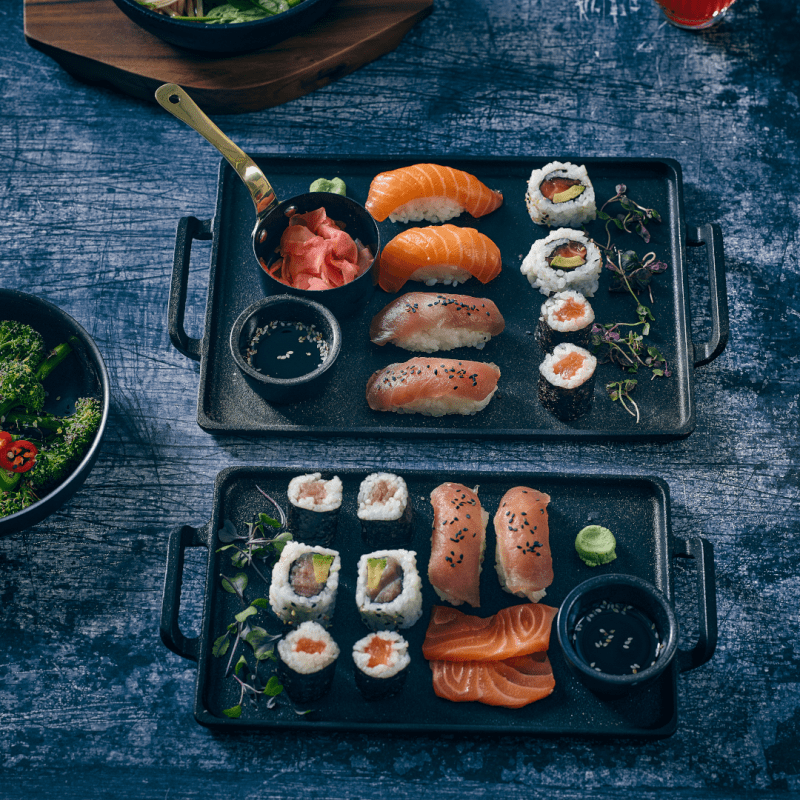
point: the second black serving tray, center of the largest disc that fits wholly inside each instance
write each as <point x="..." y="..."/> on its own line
<point x="636" y="507"/>
<point x="226" y="405"/>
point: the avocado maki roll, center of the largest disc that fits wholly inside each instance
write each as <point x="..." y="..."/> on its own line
<point x="389" y="589"/>
<point x="564" y="260"/>
<point x="560" y="194"/>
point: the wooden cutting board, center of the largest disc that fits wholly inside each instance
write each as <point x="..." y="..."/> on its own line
<point x="94" y="41"/>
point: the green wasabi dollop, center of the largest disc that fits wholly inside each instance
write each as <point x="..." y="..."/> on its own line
<point x="335" y="186"/>
<point x="596" y="545"/>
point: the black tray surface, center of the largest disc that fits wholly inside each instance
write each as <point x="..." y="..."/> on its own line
<point x="227" y="405"/>
<point x="635" y="508"/>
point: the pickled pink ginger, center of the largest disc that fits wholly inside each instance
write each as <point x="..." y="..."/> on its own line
<point x="316" y="254"/>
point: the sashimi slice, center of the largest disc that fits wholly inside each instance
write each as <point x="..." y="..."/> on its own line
<point x="445" y="189"/>
<point x="513" y="683"/>
<point x="433" y="386"/>
<point x="514" y="631"/>
<point x="522" y="534"/>
<point x="427" y="322"/>
<point x="458" y="540"/>
<point x="438" y="254"/>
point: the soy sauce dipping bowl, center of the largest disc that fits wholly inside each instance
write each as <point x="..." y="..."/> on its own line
<point x="227" y="38"/>
<point x="356" y="221"/>
<point x="285" y="308"/>
<point x="627" y="589"/>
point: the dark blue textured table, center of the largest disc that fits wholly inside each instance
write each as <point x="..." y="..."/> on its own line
<point x="93" y="183"/>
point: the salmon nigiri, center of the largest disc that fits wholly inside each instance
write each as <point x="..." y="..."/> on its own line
<point x="429" y="192"/>
<point x="427" y="322"/>
<point x="514" y="631"/>
<point x="438" y="254"/>
<point x="513" y="683"/>
<point x="458" y="540"/>
<point x="433" y="386"/>
<point x="522" y="554"/>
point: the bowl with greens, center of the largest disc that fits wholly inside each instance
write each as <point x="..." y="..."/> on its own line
<point x="54" y="401"/>
<point x="224" y="27"/>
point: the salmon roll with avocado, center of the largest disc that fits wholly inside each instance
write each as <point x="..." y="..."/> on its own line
<point x="305" y="580"/>
<point x="566" y="381"/>
<point x="564" y="260"/>
<point x="560" y="194"/>
<point x="389" y="589"/>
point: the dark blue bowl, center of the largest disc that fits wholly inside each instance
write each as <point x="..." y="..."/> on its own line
<point x="228" y="39"/>
<point x="84" y="374"/>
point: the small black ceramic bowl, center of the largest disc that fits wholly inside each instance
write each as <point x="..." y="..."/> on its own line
<point x="82" y="374"/>
<point x="614" y="591"/>
<point x="291" y="310"/>
<point x="226" y="39"/>
<point x="345" y="300"/>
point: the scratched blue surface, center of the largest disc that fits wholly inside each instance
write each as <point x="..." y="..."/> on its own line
<point x="92" y="184"/>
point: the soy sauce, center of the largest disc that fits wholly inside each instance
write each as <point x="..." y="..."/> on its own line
<point x="286" y="349"/>
<point x="616" y="638"/>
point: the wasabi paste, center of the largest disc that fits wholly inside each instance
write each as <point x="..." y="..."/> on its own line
<point x="596" y="545"/>
<point x="335" y="186"/>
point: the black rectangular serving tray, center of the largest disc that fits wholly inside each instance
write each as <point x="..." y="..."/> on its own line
<point x="227" y="405"/>
<point x="635" y="508"/>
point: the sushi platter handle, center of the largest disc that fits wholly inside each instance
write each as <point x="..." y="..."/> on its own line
<point x="180" y="539"/>
<point x="189" y="228"/>
<point x="711" y="236"/>
<point x="703" y="554"/>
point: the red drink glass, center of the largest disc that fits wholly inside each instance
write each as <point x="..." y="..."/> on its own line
<point x="694" y="15"/>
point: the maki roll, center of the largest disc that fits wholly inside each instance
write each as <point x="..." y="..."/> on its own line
<point x="307" y="662"/>
<point x="314" y="508"/>
<point x="381" y="664"/>
<point x="560" y="194"/>
<point x="305" y="580"/>
<point x="565" y="259"/>
<point x="566" y="381"/>
<point x="565" y="317"/>
<point x="385" y="511"/>
<point x="389" y="589"/>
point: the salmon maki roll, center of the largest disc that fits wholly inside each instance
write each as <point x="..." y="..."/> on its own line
<point x="438" y="254"/>
<point x="427" y="322"/>
<point x="517" y="630"/>
<point x="433" y="386"/>
<point x="429" y="192"/>
<point x="514" y="683"/>
<point x="458" y="540"/>
<point x="522" y="554"/>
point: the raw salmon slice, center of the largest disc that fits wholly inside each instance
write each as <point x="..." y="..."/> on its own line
<point x="515" y="631"/>
<point x="433" y="386"/>
<point x="438" y="254"/>
<point x="390" y="191"/>
<point x="513" y="683"/>
<point x="522" y="554"/>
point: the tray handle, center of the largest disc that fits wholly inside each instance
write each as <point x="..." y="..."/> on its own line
<point x="189" y="228"/>
<point x="703" y="553"/>
<point x="171" y="635"/>
<point x="710" y="234"/>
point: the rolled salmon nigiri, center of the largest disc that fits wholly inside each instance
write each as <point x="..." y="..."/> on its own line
<point x="523" y="561"/>
<point x="458" y="540"/>
<point x="433" y="386"/>
<point x="427" y="322"/>
<point x="438" y="254"/>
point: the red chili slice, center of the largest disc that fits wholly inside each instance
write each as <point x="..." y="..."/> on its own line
<point x="17" y="456"/>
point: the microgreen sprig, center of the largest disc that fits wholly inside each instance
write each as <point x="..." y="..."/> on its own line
<point x="621" y="391"/>
<point x="632" y="221"/>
